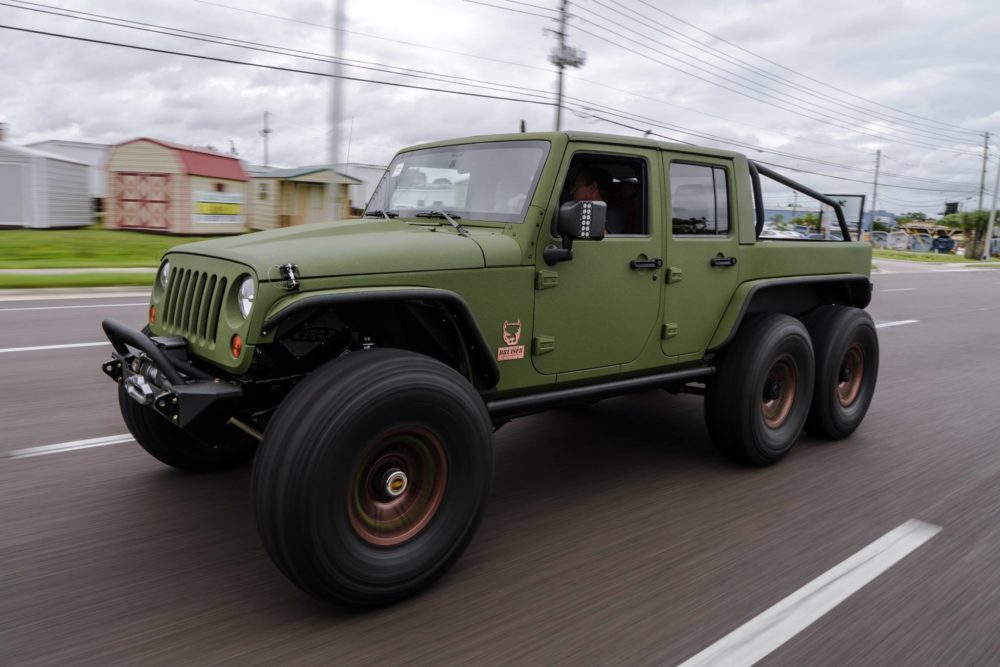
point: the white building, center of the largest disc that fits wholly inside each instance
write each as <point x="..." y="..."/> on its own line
<point x="95" y="155"/>
<point x="40" y="189"/>
<point x="369" y="176"/>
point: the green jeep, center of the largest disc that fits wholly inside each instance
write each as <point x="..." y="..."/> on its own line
<point x="368" y="362"/>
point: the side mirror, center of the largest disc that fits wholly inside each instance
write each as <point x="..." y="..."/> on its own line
<point x="576" y="220"/>
<point x="583" y="220"/>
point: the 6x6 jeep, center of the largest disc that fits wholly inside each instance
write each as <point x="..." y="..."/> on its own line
<point x="368" y="362"/>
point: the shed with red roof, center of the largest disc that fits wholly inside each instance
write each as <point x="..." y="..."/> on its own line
<point x="159" y="186"/>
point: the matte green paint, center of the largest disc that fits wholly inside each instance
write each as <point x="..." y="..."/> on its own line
<point x="602" y="317"/>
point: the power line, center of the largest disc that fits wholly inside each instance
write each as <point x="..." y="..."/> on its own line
<point x="269" y="48"/>
<point x="812" y="115"/>
<point x="804" y="76"/>
<point x="920" y="132"/>
<point x="369" y="35"/>
<point x="271" y="67"/>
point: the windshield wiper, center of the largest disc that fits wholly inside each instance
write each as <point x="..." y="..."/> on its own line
<point x="380" y="214"/>
<point x="450" y="218"/>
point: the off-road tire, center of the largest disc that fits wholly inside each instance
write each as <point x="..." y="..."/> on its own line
<point x="771" y="353"/>
<point x="227" y="447"/>
<point x="322" y="516"/>
<point x="845" y="344"/>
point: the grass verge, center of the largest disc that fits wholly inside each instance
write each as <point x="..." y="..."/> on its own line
<point x="84" y="248"/>
<point x="927" y="257"/>
<point x="76" y="280"/>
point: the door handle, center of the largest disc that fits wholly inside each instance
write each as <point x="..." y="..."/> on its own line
<point x="722" y="261"/>
<point x="654" y="263"/>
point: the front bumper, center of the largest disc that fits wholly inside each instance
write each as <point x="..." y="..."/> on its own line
<point x="155" y="372"/>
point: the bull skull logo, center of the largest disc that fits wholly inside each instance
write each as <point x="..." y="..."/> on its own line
<point x="511" y="332"/>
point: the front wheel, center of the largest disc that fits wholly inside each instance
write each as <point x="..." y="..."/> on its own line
<point x="372" y="476"/>
<point x="757" y="402"/>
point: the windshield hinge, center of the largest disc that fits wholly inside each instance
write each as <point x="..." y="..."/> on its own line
<point x="543" y="344"/>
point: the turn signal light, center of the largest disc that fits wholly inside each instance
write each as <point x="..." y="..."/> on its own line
<point x="152" y="314"/>
<point x="236" y="345"/>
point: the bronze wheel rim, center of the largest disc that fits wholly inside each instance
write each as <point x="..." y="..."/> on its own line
<point x="779" y="392"/>
<point x="397" y="486"/>
<point x="850" y="375"/>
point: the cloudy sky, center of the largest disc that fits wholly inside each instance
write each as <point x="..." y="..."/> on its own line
<point x="817" y="87"/>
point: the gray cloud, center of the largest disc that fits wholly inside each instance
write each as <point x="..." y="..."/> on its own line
<point x="928" y="58"/>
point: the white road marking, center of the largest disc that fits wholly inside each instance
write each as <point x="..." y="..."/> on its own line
<point x="71" y="297"/>
<point x="899" y="289"/>
<point x="70" y="446"/>
<point x="897" y="323"/>
<point x="89" y="305"/>
<point x="51" y="347"/>
<point x="763" y="634"/>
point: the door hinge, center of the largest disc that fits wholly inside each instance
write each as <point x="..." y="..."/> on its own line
<point x="669" y="330"/>
<point x="543" y="344"/>
<point x="674" y="274"/>
<point x="546" y="279"/>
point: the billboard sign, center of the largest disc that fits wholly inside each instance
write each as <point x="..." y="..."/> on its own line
<point x="853" y="207"/>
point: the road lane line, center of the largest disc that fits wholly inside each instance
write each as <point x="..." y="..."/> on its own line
<point x="89" y="305"/>
<point x="899" y="289"/>
<point x="897" y="323"/>
<point x="766" y="632"/>
<point x="51" y="347"/>
<point x="72" y="297"/>
<point x="61" y="447"/>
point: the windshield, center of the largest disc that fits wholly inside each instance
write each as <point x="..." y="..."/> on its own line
<point x="491" y="181"/>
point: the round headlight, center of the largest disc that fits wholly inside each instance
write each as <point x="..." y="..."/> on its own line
<point x="165" y="274"/>
<point x="245" y="299"/>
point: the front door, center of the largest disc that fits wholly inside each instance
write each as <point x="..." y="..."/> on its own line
<point x="599" y="309"/>
<point x="702" y="250"/>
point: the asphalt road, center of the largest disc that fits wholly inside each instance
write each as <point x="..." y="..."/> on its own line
<point x="615" y="533"/>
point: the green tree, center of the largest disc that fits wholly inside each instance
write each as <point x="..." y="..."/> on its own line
<point x="810" y="220"/>
<point x="973" y="226"/>
<point x="911" y="217"/>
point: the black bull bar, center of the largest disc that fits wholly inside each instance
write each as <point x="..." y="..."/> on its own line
<point x="159" y="375"/>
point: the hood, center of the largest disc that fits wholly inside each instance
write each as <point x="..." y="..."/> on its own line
<point x="353" y="247"/>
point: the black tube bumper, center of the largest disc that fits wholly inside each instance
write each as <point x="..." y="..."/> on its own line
<point x="155" y="371"/>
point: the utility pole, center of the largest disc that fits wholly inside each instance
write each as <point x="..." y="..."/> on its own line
<point x="993" y="217"/>
<point x="264" y="133"/>
<point x="336" y="202"/>
<point x="562" y="57"/>
<point x="878" y="162"/>
<point x="982" y="179"/>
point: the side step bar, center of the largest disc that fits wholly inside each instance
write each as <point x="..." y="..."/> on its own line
<point x="507" y="408"/>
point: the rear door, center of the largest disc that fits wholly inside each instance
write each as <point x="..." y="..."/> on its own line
<point x="702" y="249"/>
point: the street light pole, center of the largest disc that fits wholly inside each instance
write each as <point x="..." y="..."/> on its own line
<point x="336" y="202"/>
<point x="993" y="217"/>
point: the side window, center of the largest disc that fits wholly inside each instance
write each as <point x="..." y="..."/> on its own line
<point x="699" y="199"/>
<point x="618" y="181"/>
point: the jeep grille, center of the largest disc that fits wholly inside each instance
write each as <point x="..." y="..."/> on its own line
<point x="193" y="305"/>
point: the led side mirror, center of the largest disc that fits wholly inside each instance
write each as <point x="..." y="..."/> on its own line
<point x="582" y="220"/>
<point x="576" y="220"/>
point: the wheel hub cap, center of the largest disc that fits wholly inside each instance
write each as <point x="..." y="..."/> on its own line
<point x="397" y="486"/>
<point x="851" y="375"/>
<point x="394" y="482"/>
<point x="779" y="392"/>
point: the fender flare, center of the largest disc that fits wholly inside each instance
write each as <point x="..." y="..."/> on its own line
<point x="855" y="290"/>
<point x="486" y="370"/>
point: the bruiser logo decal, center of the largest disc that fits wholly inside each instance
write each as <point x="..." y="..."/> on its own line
<point x="511" y="335"/>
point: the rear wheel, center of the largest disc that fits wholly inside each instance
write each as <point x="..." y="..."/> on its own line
<point x="373" y="475"/>
<point x="757" y="402"/>
<point x="226" y="447"/>
<point x="846" y="347"/>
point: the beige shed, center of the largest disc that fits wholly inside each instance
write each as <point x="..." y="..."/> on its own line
<point x="158" y="186"/>
<point x="286" y="197"/>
